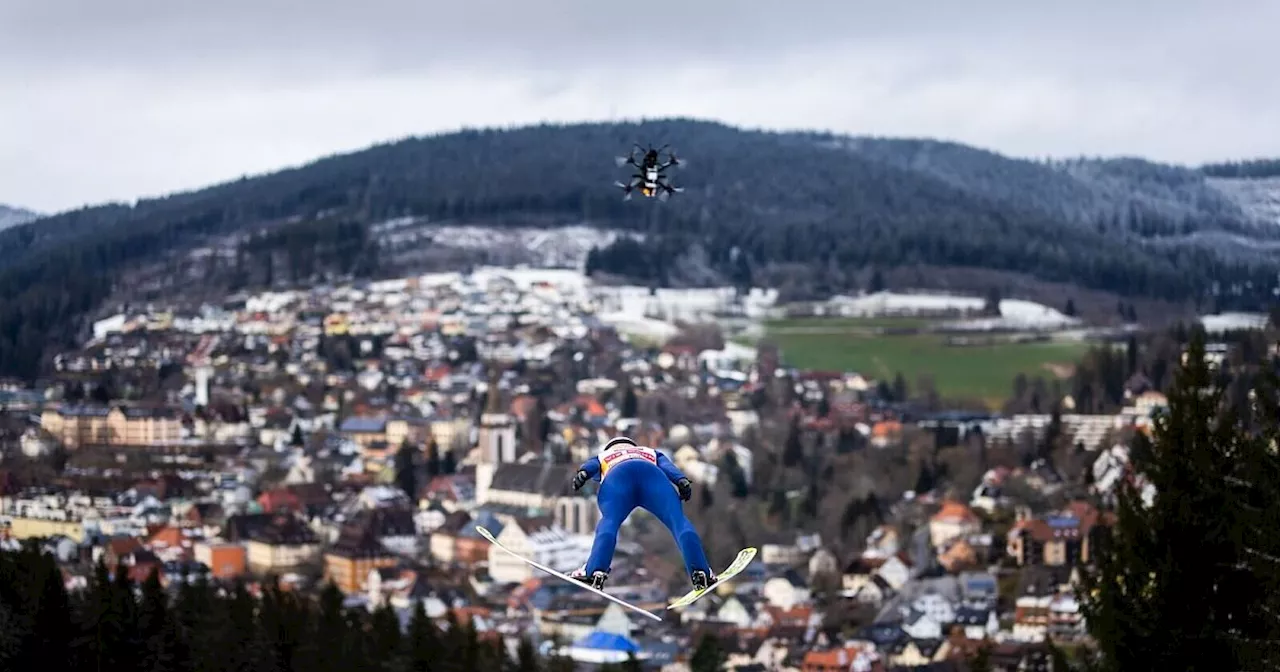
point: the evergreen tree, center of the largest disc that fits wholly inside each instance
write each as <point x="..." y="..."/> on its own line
<point x="203" y="630"/>
<point x="163" y="649"/>
<point x="1169" y="590"/>
<point x="792" y="447"/>
<point x="709" y="656"/>
<point x="434" y="466"/>
<point x="326" y="649"/>
<point x="629" y="403"/>
<point x="980" y="661"/>
<point x="631" y="664"/>
<point x="297" y="440"/>
<point x="10" y="638"/>
<point x="422" y="643"/>
<point x="1256" y="490"/>
<point x="526" y="657"/>
<point x="706" y="499"/>
<point x="244" y="647"/>
<point x="472" y="655"/>
<point x="877" y="282"/>
<point x="386" y="639"/>
<point x="123" y="610"/>
<point x="52" y="637"/>
<point x="406" y="470"/>
<point x="899" y="388"/>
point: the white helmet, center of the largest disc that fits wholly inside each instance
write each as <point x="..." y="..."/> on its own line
<point x="616" y="442"/>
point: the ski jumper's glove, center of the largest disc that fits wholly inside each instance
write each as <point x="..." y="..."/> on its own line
<point x="685" y="488"/>
<point x="580" y="479"/>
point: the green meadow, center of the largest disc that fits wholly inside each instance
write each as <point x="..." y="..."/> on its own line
<point x="971" y="371"/>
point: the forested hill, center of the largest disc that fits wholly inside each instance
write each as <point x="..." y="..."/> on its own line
<point x="1255" y="168"/>
<point x="1130" y="227"/>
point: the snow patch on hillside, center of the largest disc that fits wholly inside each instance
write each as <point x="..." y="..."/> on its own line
<point x="10" y="216"/>
<point x="563" y="247"/>
<point x="1259" y="197"/>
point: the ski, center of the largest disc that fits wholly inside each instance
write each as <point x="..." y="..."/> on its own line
<point x="745" y="556"/>
<point x="565" y="577"/>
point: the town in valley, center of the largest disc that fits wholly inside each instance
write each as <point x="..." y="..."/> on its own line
<point x="359" y="433"/>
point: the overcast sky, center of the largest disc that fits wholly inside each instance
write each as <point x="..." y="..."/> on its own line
<point x="114" y="100"/>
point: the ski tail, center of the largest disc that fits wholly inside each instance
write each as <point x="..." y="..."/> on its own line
<point x="488" y="536"/>
<point x="745" y="556"/>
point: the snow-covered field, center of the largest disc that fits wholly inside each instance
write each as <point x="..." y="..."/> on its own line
<point x="1014" y="313"/>
<point x="1233" y="321"/>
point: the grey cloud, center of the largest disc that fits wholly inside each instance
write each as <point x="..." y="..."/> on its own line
<point x="130" y="97"/>
<point x="407" y="34"/>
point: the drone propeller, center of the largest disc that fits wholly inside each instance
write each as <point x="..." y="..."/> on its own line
<point x="624" y="160"/>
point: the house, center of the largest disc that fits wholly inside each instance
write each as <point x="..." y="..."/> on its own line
<point x="882" y="542"/>
<point x="849" y="658"/>
<point x="1064" y="538"/>
<point x="823" y="561"/>
<point x="916" y="653"/>
<point x="952" y="521"/>
<point x="430" y="517"/>
<point x="392" y="526"/>
<point x="1038" y="588"/>
<point x="787" y="590"/>
<point x="379" y="438"/>
<point x="118" y="425"/>
<point x="443" y="544"/>
<point x="539" y="540"/>
<point x="398" y="585"/>
<point x="977" y="620"/>
<point x="283" y="544"/>
<point x="224" y="560"/>
<point x="735" y="611"/>
<point x="576" y="624"/>
<point x="356" y="553"/>
<point x="874" y="578"/>
<point x="920" y="625"/>
<point x="1022" y="657"/>
<point x="958" y="556"/>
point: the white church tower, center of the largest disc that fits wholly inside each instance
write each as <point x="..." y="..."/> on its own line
<point x="497" y="441"/>
<point x="203" y="375"/>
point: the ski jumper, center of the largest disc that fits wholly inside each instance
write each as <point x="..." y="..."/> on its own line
<point x="632" y="476"/>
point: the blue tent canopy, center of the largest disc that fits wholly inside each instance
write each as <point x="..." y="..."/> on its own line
<point x="607" y="642"/>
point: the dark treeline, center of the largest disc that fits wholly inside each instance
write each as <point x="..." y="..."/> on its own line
<point x="302" y="251"/>
<point x="754" y="203"/>
<point x="1152" y="360"/>
<point x="201" y="627"/>
<point x="1254" y="168"/>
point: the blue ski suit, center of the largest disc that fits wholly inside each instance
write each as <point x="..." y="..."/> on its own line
<point x="631" y="476"/>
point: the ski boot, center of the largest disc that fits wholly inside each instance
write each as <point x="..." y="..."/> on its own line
<point x="595" y="580"/>
<point x="702" y="580"/>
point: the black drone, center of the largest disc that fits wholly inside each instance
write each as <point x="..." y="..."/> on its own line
<point x="649" y="179"/>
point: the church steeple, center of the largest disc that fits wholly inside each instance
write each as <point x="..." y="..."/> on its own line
<point x="497" y="430"/>
<point x="493" y="401"/>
